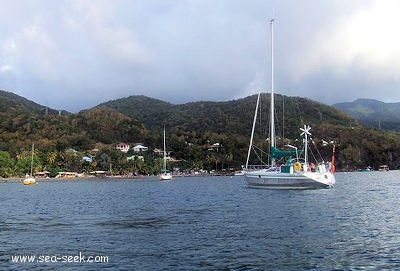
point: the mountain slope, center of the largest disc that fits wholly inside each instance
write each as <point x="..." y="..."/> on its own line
<point x="234" y="116"/>
<point x="192" y="128"/>
<point x="9" y="99"/>
<point x="141" y="108"/>
<point x="373" y="113"/>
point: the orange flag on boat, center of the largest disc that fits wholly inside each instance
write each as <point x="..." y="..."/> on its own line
<point x="333" y="160"/>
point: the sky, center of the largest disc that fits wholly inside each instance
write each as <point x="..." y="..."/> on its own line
<point x="76" y="54"/>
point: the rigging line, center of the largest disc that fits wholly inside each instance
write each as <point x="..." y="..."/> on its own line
<point x="260" y="119"/>
<point x="258" y="156"/>
<point x="252" y="130"/>
<point x="298" y="109"/>
<point x="283" y="116"/>
<point x="315" y="145"/>
<point x="280" y="124"/>
<point x="258" y="149"/>
<point x="313" y="155"/>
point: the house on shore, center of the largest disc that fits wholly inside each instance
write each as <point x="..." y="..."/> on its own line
<point x="140" y="148"/>
<point x="123" y="147"/>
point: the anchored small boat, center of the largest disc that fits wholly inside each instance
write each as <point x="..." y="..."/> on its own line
<point x="165" y="175"/>
<point x="29" y="180"/>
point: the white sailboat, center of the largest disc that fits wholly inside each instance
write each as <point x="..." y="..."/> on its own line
<point x="29" y="180"/>
<point x="296" y="173"/>
<point x="165" y="175"/>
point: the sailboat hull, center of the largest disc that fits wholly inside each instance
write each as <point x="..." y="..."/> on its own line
<point x="166" y="177"/>
<point x="298" y="180"/>
<point x="29" y="181"/>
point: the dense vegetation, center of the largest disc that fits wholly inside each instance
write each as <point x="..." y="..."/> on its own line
<point x="373" y="113"/>
<point x="62" y="140"/>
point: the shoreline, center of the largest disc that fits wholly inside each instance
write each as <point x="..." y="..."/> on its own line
<point x="20" y="179"/>
<point x="48" y="179"/>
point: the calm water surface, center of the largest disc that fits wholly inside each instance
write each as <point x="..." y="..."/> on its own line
<point x="197" y="223"/>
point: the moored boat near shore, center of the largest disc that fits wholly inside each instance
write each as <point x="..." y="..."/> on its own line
<point x="29" y="179"/>
<point x="165" y="175"/>
<point x="296" y="173"/>
<point x="384" y="168"/>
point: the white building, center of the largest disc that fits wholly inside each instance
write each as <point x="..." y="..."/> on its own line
<point x="139" y="148"/>
<point x="122" y="147"/>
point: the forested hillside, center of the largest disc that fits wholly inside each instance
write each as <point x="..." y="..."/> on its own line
<point x="62" y="140"/>
<point x="373" y="113"/>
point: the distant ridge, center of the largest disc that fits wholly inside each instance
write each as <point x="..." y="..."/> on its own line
<point x="373" y="113"/>
<point x="11" y="99"/>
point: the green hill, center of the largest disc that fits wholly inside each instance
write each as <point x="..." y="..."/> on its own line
<point x="226" y="117"/>
<point x="373" y="113"/>
<point x="191" y="130"/>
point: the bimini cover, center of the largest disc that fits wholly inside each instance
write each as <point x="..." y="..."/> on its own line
<point x="277" y="153"/>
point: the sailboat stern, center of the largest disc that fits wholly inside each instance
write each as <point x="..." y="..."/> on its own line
<point x="324" y="178"/>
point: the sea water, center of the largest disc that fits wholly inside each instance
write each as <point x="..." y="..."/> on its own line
<point x="200" y="223"/>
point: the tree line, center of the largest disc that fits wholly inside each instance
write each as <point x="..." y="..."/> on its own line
<point x="61" y="140"/>
<point x="109" y="159"/>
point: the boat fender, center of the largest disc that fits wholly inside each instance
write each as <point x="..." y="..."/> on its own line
<point x="297" y="166"/>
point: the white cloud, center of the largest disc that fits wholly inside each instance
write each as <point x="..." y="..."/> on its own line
<point x="365" y="40"/>
<point x="73" y="54"/>
<point x="5" y="68"/>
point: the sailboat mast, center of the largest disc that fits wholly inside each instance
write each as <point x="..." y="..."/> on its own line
<point x="272" y="106"/>
<point x="33" y="149"/>
<point x="165" y="154"/>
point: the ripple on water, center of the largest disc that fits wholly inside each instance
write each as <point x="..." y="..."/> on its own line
<point x="206" y="224"/>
